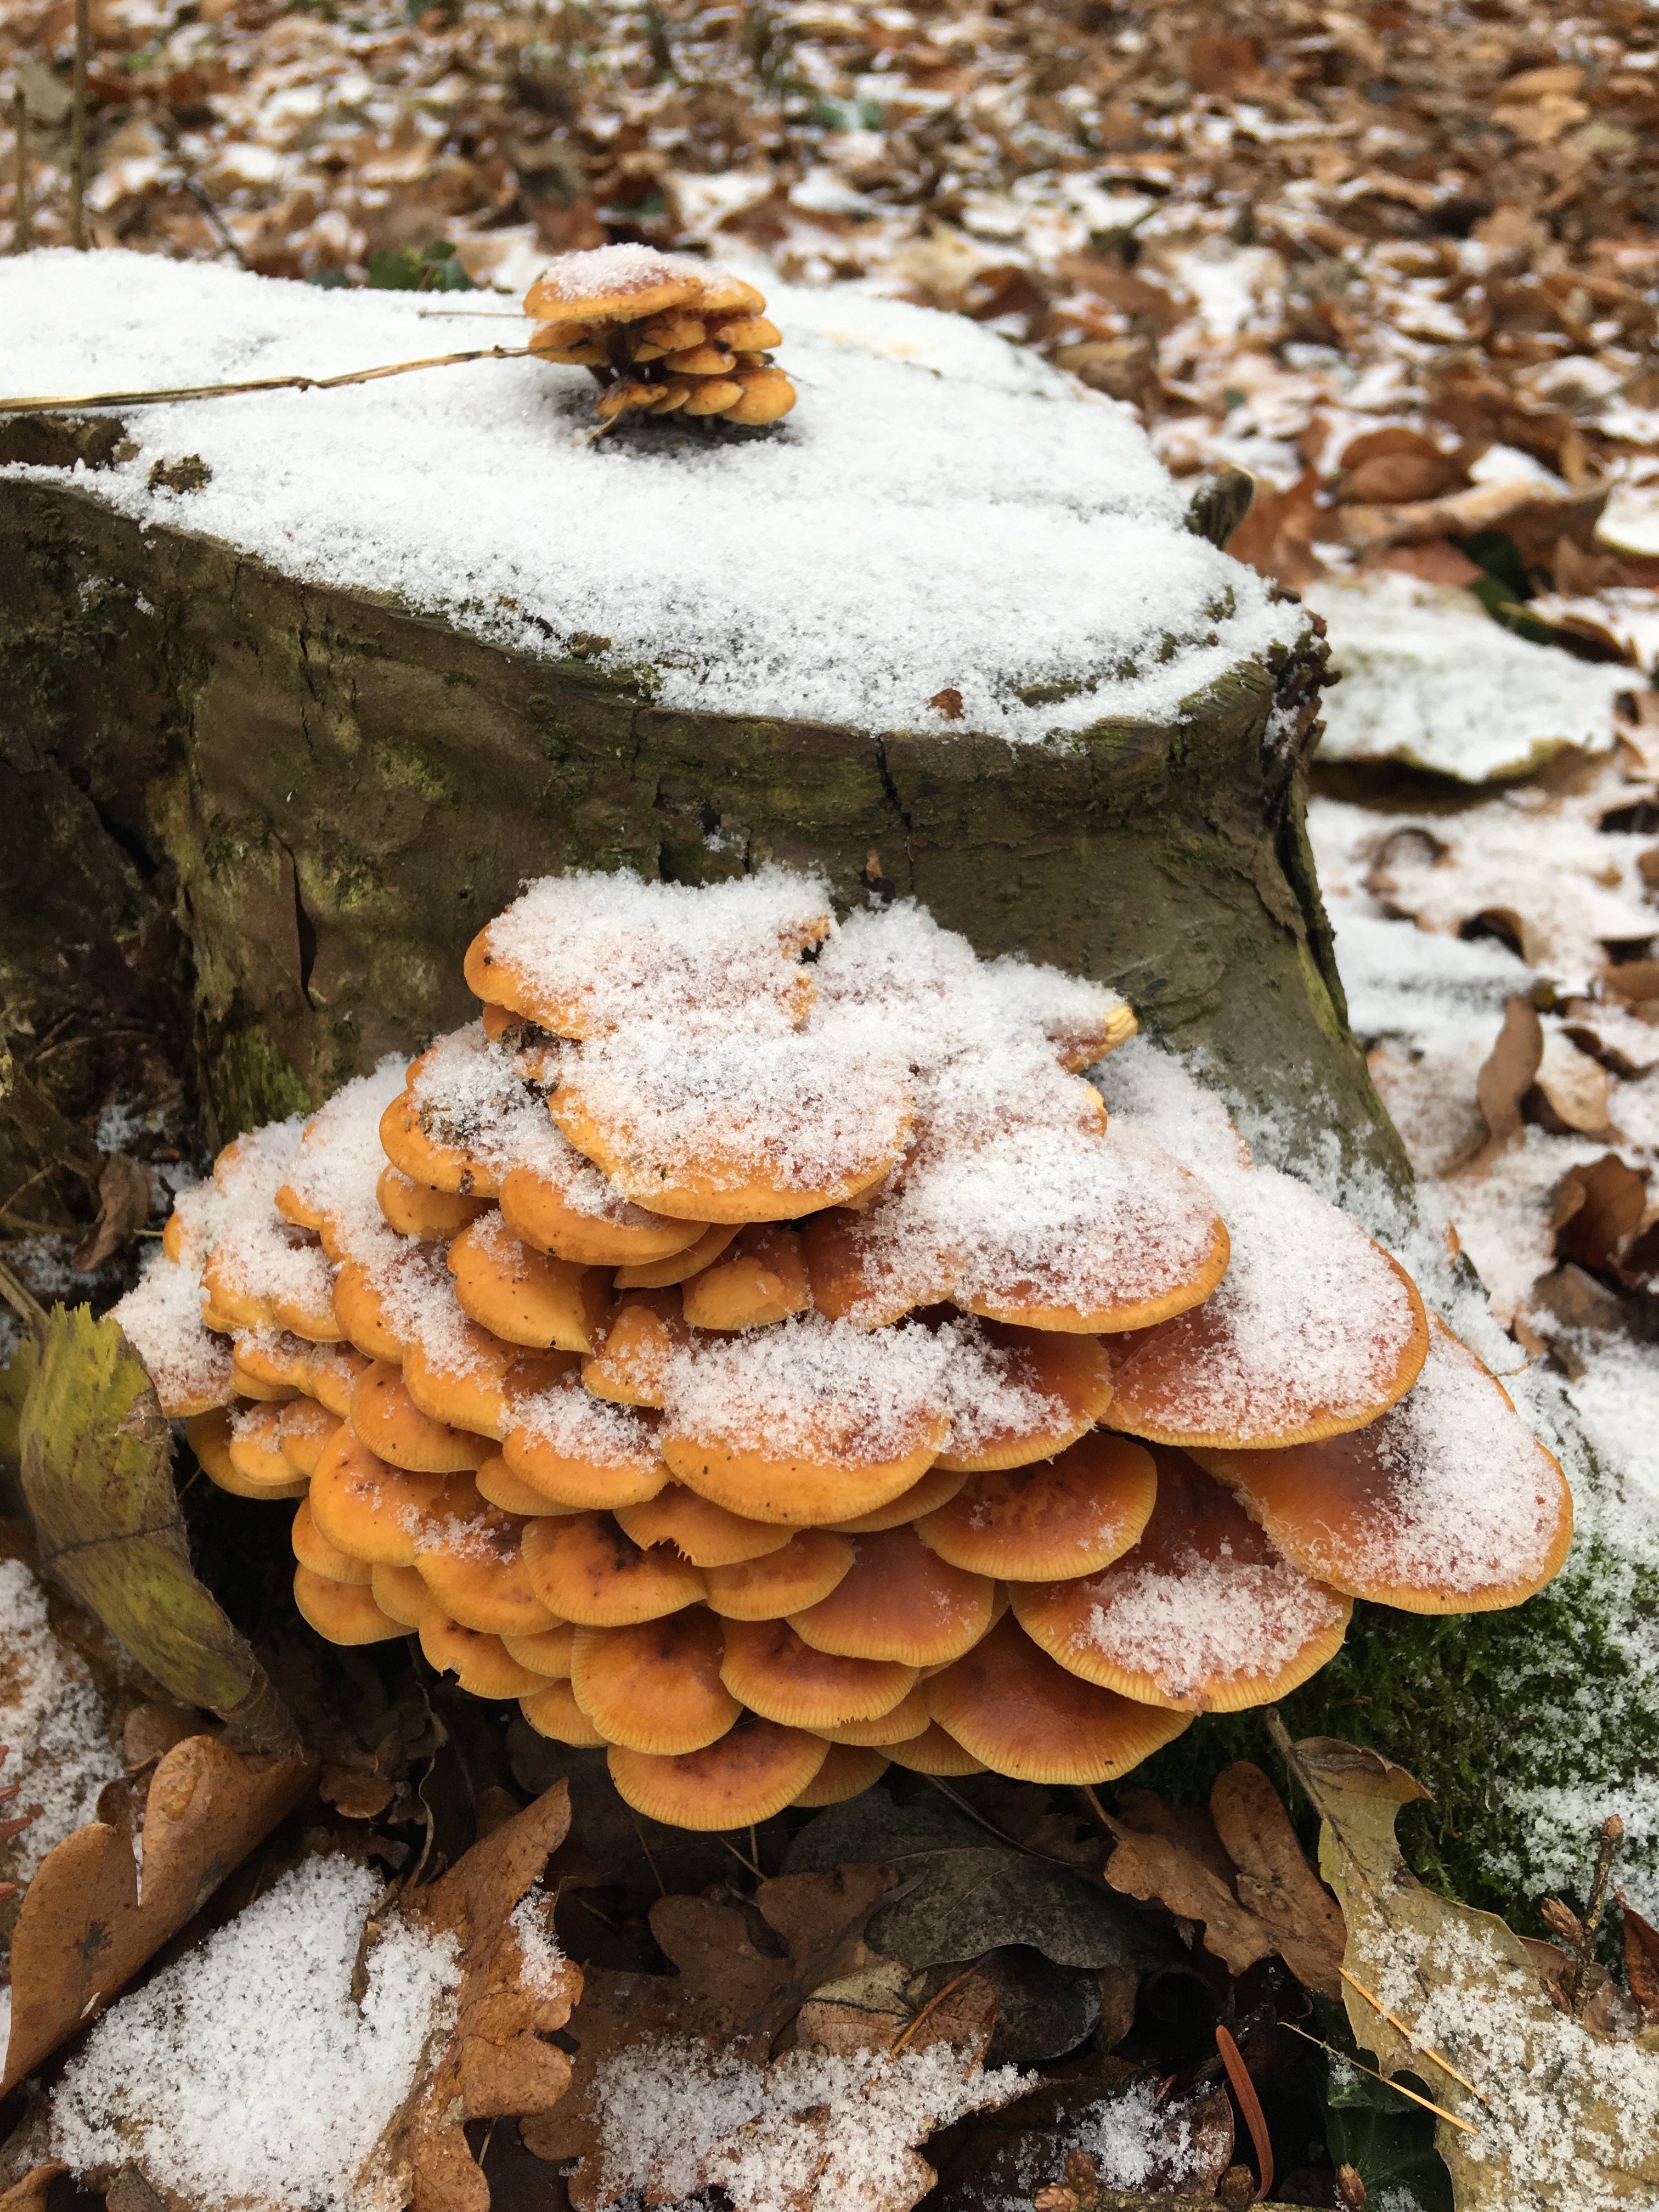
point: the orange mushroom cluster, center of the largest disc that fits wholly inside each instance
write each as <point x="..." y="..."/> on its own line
<point x="664" y="334"/>
<point x="753" y="1347"/>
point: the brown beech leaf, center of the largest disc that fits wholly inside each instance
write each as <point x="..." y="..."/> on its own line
<point x="1506" y="1075"/>
<point x="1641" y="1959"/>
<point x="496" y="2060"/>
<point x="1597" y="1210"/>
<point x="1151" y="1868"/>
<point x="124" y="1203"/>
<point x="1275" y="1878"/>
<point x="948" y="703"/>
<point x="29" y="2195"/>
<point x="87" y="1921"/>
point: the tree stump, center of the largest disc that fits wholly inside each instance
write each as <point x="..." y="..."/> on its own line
<point x="276" y="813"/>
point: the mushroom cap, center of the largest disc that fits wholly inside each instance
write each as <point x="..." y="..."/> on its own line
<point x="907" y="1720"/>
<point x="657" y="1685"/>
<point x="343" y="1612"/>
<point x="806" y="1569"/>
<point x="1202" y="1614"/>
<point x="585" y="1570"/>
<point x="899" y="1600"/>
<point x="720" y="293"/>
<point x="481" y="1663"/>
<point x="366" y="1508"/>
<point x="523" y="1296"/>
<point x="717" y="1131"/>
<point x="934" y="1752"/>
<point x="767" y="394"/>
<point x="613" y="283"/>
<point x="583" y="1454"/>
<point x="553" y="1711"/>
<point x="334" y="1371"/>
<point x="937" y="1487"/>
<point x="797" y="1491"/>
<point x="245" y="1384"/>
<point x="702" y="1531"/>
<point x="271" y="1362"/>
<point x="711" y="396"/>
<point x="1445" y="1504"/>
<point x="305" y="1428"/>
<point x="255" y="1454"/>
<point x="753" y="1771"/>
<point x="314" y="1552"/>
<point x="843" y="1288"/>
<point x="473" y="1380"/>
<point x="581" y="351"/>
<point x="626" y="396"/>
<point x="471" y="1558"/>
<point x="417" y="1209"/>
<point x="679" y="1267"/>
<point x="210" y="1439"/>
<point x="402" y="1595"/>
<point x="501" y="1486"/>
<point x="537" y="1206"/>
<point x="848" y="1772"/>
<point x="360" y="1307"/>
<point x="1008" y="1705"/>
<point x="775" y="1674"/>
<point x="1056" y="1387"/>
<point x="699" y="361"/>
<point x="755" y="334"/>
<point x="425" y="1158"/>
<point x="385" y="1417"/>
<point x="549" y="1651"/>
<point x="1071" y="1515"/>
<point x="762" y="1278"/>
<point x="636" y="1341"/>
<point x="1315" y="1331"/>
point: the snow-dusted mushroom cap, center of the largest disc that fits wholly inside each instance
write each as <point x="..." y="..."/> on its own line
<point x="190" y="1366"/>
<point x="700" y="1531"/>
<point x="416" y="1209"/>
<point x="524" y="1296"/>
<point x="1068" y="1515"/>
<point x="384" y="1418"/>
<point x="585" y="1570"/>
<point x="469" y="1555"/>
<point x="899" y="1600"/>
<point x="613" y="281"/>
<point x="558" y="1201"/>
<point x="366" y="1508"/>
<point x="1201" y="1615"/>
<point x="585" y="954"/>
<point x="775" y="1674"/>
<point x="1447" y="1503"/>
<point x="656" y="1686"/>
<point x="256" y="1452"/>
<point x="636" y="1340"/>
<point x="580" y="1453"/>
<point x="1021" y="1395"/>
<point x="760" y="1279"/>
<point x="1314" y="1330"/>
<point x="752" y="1772"/>
<point x="1009" y="1705"/>
<point x="810" y="1421"/>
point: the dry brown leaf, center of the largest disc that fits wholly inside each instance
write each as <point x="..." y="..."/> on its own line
<point x="1597" y="1210"/>
<point x="29" y="2195"/>
<point x="496" y="2060"/>
<point x="1573" y="1089"/>
<point x="1275" y="1878"/>
<point x="124" y="1203"/>
<point x="86" y="1926"/>
<point x="1641" y="1959"/>
<point x="1152" y="1868"/>
<point x="1506" y="1075"/>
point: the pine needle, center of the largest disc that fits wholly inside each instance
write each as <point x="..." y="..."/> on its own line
<point x="1426" y="2050"/>
<point x="1398" y="2087"/>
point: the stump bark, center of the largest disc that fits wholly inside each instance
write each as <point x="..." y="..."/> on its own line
<point x="272" y="814"/>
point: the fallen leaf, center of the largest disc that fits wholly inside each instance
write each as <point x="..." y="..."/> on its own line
<point x="1597" y="1210"/>
<point x="1562" y="2116"/>
<point x="1156" y="1871"/>
<point x="516" y="1991"/>
<point x="1641" y="1959"/>
<point x="1506" y="1075"/>
<point x="29" y="2195"/>
<point x="96" y="1453"/>
<point x="96" y="1912"/>
<point x="1183" y="2142"/>
<point x="1574" y="1089"/>
<point x="1274" y="1879"/>
<point x="123" y="1204"/>
<point x="948" y="703"/>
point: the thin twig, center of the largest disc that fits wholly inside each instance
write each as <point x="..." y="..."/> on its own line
<point x="22" y="236"/>
<point x="78" y="127"/>
<point x="203" y="199"/>
<point x="741" y="1861"/>
<point x="1010" y="1843"/>
<point x="484" y="314"/>
<point x="22" y="1301"/>
<point x="1254" y="2119"/>
<point x="1398" y="2087"/>
<point x="662" y="1885"/>
<point x="1426" y="2050"/>
<point x="931" y="2006"/>
<point x="1613" y="1834"/>
<point x="49" y="406"/>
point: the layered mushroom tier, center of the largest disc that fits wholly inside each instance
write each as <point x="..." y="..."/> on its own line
<point x="663" y="334"/>
<point x="754" y="1346"/>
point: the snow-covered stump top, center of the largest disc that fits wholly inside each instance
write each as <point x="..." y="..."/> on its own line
<point x="939" y="513"/>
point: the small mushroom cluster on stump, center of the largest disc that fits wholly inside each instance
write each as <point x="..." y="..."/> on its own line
<point x="664" y="333"/>
<point x="753" y="1347"/>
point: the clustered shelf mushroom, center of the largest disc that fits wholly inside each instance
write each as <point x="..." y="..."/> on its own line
<point x="753" y="1347"/>
<point x="663" y="332"/>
